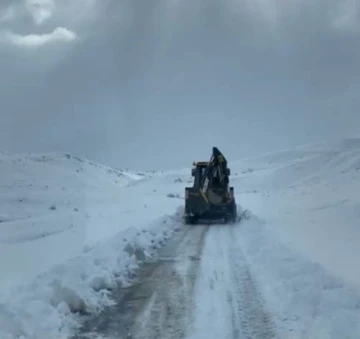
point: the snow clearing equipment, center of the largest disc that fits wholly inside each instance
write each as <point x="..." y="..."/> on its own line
<point x="210" y="197"/>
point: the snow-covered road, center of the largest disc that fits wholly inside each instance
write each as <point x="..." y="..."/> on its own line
<point x="232" y="282"/>
<point x="227" y="302"/>
<point x="159" y="302"/>
<point x="199" y="286"/>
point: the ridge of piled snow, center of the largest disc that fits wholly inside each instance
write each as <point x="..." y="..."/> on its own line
<point x="46" y="308"/>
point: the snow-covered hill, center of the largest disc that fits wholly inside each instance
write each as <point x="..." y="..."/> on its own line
<point x="70" y="229"/>
<point x="64" y="225"/>
<point x="309" y="197"/>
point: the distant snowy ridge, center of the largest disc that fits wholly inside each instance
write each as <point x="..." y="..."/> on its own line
<point x="289" y="155"/>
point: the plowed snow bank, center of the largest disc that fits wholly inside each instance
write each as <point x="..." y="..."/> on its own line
<point x="43" y="309"/>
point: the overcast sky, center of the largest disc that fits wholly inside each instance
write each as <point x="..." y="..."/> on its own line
<point x="157" y="83"/>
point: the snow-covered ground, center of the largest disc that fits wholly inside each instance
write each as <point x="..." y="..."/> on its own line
<point x="70" y="229"/>
<point x="309" y="197"/>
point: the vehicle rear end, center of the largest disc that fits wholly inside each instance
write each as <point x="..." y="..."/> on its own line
<point x="208" y="206"/>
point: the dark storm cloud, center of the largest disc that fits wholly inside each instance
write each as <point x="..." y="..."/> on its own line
<point x="150" y="81"/>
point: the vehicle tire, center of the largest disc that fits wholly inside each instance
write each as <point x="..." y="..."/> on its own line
<point x="191" y="220"/>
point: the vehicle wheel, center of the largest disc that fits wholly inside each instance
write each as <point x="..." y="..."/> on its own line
<point x="230" y="219"/>
<point x="191" y="220"/>
<point x="234" y="214"/>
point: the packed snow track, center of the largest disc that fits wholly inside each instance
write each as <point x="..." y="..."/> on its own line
<point x="199" y="286"/>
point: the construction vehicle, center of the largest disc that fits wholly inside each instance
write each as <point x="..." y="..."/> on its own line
<point x="210" y="198"/>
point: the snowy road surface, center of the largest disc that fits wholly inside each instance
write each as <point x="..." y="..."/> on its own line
<point x="200" y="286"/>
<point x="228" y="303"/>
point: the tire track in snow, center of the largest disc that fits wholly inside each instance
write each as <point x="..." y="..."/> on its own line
<point x="228" y="303"/>
<point x="158" y="303"/>
<point x="169" y="311"/>
<point x="250" y="318"/>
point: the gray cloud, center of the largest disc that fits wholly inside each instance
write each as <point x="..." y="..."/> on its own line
<point x="347" y="16"/>
<point x="7" y="14"/>
<point x="157" y="83"/>
<point x="40" y="10"/>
